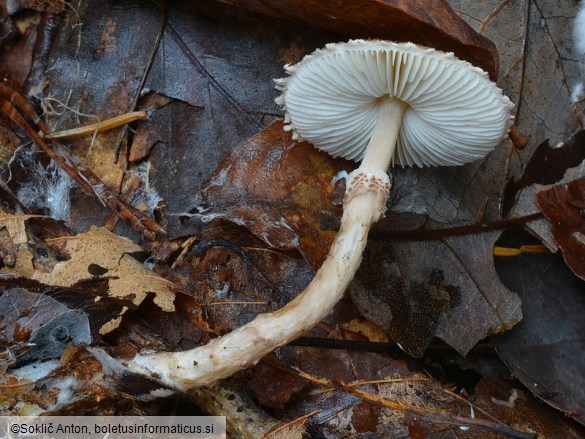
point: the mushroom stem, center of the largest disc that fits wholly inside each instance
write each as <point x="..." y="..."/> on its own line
<point x="246" y="345"/>
<point x="382" y="144"/>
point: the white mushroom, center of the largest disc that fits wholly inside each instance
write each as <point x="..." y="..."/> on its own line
<point x="374" y="101"/>
<point x="443" y="110"/>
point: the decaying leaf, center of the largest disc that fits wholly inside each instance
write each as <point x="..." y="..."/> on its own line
<point x="214" y="77"/>
<point x="351" y="394"/>
<point x="561" y="203"/>
<point x="76" y="378"/>
<point x="51" y="6"/>
<point x="295" y="429"/>
<point x="547" y="165"/>
<point x="517" y="409"/>
<point x="564" y="205"/>
<point x="75" y="383"/>
<point x="98" y="249"/>
<point x="36" y="327"/>
<point x="546" y="351"/>
<point x="283" y="192"/>
<point x="447" y="289"/>
<point x="429" y="23"/>
<point x="238" y="276"/>
<point x="539" y="67"/>
<point x="17" y="38"/>
<point x="15" y="227"/>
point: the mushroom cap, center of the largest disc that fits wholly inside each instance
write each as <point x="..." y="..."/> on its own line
<point x="454" y="113"/>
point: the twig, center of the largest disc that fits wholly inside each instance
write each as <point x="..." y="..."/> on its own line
<point x="17" y="108"/>
<point x="460" y="421"/>
<point x="128" y="196"/>
<point x="104" y="125"/>
<point x="154" y="51"/>
<point x="426" y="415"/>
<point x="469" y="229"/>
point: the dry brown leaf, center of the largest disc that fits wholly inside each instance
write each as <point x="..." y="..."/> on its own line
<point x="111" y="252"/>
<point x="15" y="226"/>
<point x="101" y="251"/>
<point x="283" y="192"/>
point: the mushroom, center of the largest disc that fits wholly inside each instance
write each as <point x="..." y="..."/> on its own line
<point x="379" y="102"/>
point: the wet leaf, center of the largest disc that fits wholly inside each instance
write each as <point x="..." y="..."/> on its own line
<point x="75" y="97"/>
<point x="281" y="191"/>
<point x="560" y="203"/>
<point x="17" y="37"/>
<point x="52" y="6"/>
<point x="38" y="328"/>
<point x="516" y="408"/>
<point x="223" y="61"/>
<point x="274" y="388"/>
<point x="214" y="82"/>
<point x="238" y="276"/>
<point x="546" y="350"/>
<point x="76" y="383"/>
<point x="421" y="290"/>
<point x="547" y="165"/>
<point x="15" y="227"/>
<point x="564" y="205"/>
<point x="539" y="66"/>
<point x="429" y="23"/>
<point x="365" y="394"/>
<point x="296" y="428"/>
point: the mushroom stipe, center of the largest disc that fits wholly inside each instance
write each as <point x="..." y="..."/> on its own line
<point x="380" y="103"/>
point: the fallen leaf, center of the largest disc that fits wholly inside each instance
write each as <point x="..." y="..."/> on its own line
<point x="18" y="36"/>
<point x="539" y="67"/>
<point x="563" y="205"/>
<point x="38" y="328"/>
<point x="547" y="165"/>
<point x="515" y="407"/>
<point x="238" y="276"/>
<point x="223" y="61"/>
<point x="77" y="383"/>
<point x="217" y="64"/>
<point x="364" y="394"/>
<point x="127" y="279"/>
<point x="429" y="23"/>
<point x="15" y="227"/>
<point x="274" y="389"/>
<point x="447" y="289"/>
<point x="282" y="191"/>
<point x="546" y="350"/>
<point x="74" y="97"/>
<point x="295" y="429"/>
<point x="50" y="6"/>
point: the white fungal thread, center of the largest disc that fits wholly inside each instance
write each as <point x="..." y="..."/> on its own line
<point x="578" y="90"/>
<point x="341" y="175"/>
<point x="579" y="31"/>
<point x="511" y="402"/>
<point x="46" y="188"/>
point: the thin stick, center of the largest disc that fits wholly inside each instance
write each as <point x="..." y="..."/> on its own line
<point x="153" y="52"/>
<point x="104" y="125"/>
